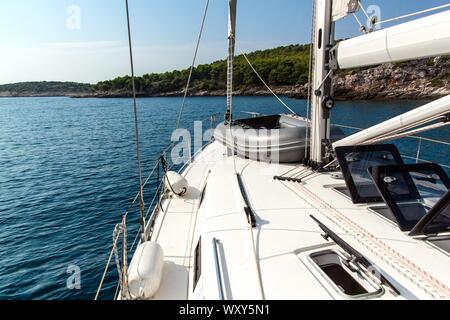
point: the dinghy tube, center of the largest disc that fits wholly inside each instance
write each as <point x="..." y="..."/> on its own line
<point x="273" y="139"/>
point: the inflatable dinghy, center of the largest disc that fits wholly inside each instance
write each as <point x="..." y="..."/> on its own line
<point x="276" y="138"/>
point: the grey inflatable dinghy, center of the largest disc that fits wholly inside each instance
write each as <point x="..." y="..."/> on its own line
<point x="276" y="138"/>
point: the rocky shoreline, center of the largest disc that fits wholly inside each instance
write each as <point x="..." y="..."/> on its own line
<point x="414" y="80"/>
<point x="285" y="90"/>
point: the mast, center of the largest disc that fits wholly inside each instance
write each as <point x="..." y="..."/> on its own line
<point x="326" y="13"/>
<point x="321" y="93"/>
<point x="231" y="46"/>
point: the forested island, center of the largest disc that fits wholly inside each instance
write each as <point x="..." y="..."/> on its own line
<point x="285" y="69"/>
<point x="45" y="89"/>
<point x="283" y="66"/>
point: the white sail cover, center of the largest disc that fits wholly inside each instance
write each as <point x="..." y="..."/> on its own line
<point x="231" y="44"/>
<point x="231" y="18"/>
<point x="342" y="8"/>
<point x="421" y="38"/>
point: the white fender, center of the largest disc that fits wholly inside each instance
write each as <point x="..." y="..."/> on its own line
<point x="176" y="183"/>
<point x="146" y="270"/>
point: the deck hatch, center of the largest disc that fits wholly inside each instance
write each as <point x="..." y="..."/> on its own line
<point x="436" y="221"/>
<point x="354" y="162"/>
<point x="411" y="190"/>
<point x="350" y="282"/>
<point x="351" y="273"/>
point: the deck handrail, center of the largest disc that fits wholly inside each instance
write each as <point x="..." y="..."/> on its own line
<point x="215" y="243"/>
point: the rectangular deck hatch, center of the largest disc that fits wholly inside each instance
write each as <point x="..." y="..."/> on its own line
<point x="333" y="265"/>
<point x="348" y="273"/>
<point x="410" y="190"/>
<point x="436" y="221"/>
<point x="354" y="162"/>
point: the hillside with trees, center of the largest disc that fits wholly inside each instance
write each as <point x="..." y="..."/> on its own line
<point x="285" y="69"/>
<point x="283" y="66"/>
<point x="44" y="89"/>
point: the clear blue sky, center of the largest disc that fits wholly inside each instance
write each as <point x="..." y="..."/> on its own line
<point x="36" y="42"/>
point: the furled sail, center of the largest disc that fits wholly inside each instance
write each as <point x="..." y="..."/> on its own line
<point x="342" y="8"/>
<point x="421" y="38"/>
<point x="231" y="48"/>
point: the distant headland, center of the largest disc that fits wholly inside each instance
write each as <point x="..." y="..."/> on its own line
<point x="285" y="69"/>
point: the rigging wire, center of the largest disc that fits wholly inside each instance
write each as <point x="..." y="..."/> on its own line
<point x="136" y="125"/>
<point x="413" y="14"/>
<point x="362" y="28"/>
<point x="193" y="64"/>
<point x="421" y="138"/>
<point x="409" y="136"/>
<point x="325" y="79"/>
<point x="364" y="11"/>
<point x="105" y="271"/>
<point x="127" y="211"/>
<point x="376" y="23"/>
<point x="419" y="149"/>
<point x="266" y="85"/>
<point x="406" y="134"/>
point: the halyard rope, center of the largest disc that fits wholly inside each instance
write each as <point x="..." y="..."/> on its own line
<point x="256" y="259"/>
<point x="266" y="85"/>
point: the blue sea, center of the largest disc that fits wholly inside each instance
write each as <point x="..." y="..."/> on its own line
<point x="68" y="172"/>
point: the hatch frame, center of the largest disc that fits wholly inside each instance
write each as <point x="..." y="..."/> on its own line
<point x="391" y="201"/>
<point x="341" y="153"/>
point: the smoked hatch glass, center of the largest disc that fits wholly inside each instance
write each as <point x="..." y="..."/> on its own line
<point x="437" y="219"/>
<point x="410" y="190"/>
<point x="354" y="162"/>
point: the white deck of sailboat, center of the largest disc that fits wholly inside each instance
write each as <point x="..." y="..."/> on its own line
<point x="284" y="235"/>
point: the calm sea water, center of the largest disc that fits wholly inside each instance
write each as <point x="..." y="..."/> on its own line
<point x="67" y="172"/>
